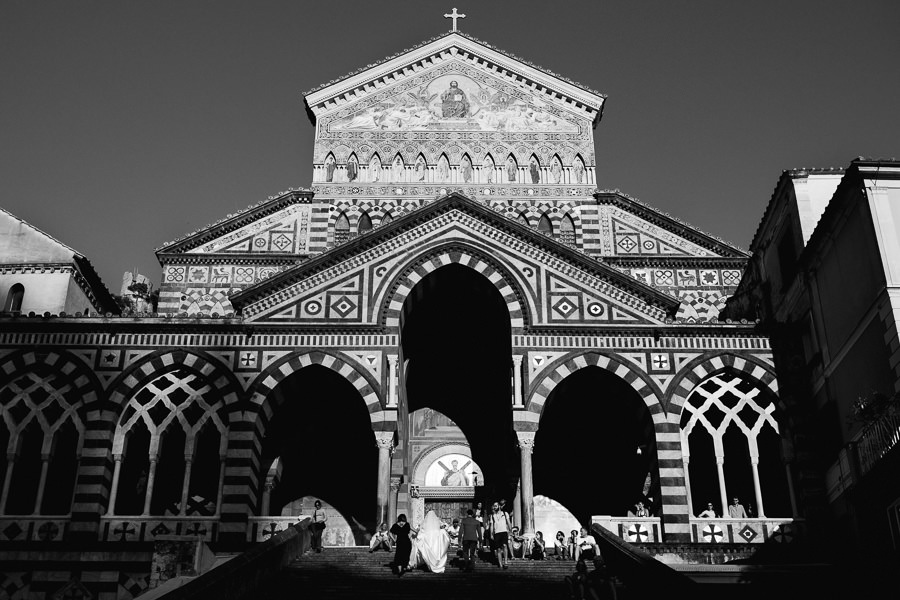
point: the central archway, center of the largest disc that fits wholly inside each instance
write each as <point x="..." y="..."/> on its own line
<point x="456" y="360"/>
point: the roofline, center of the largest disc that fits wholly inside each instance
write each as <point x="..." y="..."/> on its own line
<point x="234" y="221"/>
<point x="334" y="255"/>
<point x="361" y="78"/>
<point x="656" y="216"/>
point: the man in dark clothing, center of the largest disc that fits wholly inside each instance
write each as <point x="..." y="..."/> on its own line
<point x="400" y="531"/>
<point x="470" y="533"/>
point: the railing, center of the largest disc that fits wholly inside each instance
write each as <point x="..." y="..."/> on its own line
<point x="245" y="575"/>
<point x="147" y="528"/>
<point x="876" y="440"/>
<point x="640" y="572"/>
<point x="746" y="531"/>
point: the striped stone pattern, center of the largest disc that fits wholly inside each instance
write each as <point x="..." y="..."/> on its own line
<point x="444" y="257"/>
<point x="136" y="377"/>
<point x="590" y="228"/>
<point x="673" y="493"/>
<point x="243" y="473"/>
<point x="702" y="368"/>
<point x="318" y="227"/>
<point x="92" y="469"/>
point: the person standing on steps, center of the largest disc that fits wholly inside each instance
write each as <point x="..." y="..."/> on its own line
<point x="400" y="530"/>
<point x="500" y="527"/>
<point x="319" y="517"/>
<point x="470" y="534"/>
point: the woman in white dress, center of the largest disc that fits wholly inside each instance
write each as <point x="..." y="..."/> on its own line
<point x="430" y="545"/>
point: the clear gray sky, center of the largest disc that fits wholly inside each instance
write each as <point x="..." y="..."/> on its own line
<point x="126" y="124"/>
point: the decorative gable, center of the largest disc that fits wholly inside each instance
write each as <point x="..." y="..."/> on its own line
<point x="548" y="283"/>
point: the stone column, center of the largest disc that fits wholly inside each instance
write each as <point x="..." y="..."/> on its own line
<point x="526" y="447"/>
<point x="42" y="484"/>
<point x="185" y="485"/>
<point x="392" y="500"/>
<point x="754" y="465"/>
<point x="723" y="498"/>
<point x="517" y="507"/>
<point x="392" y="380"/>
<point x="518" y="401"/>
<point x="114" y="488"/>
<point x="266" y="498"/>
<point x="10" y="464"/>
<point x="221" y="485"/>
<point x="151" y="479"/>
<point x="687" y="484"/>
<point x="384" y="440"/>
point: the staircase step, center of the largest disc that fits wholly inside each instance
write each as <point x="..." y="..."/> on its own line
<point x="338" y="573"/>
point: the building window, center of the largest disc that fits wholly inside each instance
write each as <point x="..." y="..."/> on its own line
<point x="364" y="225"/>
<point x="14" y="298"/>
<point x="545" y="226"/>
<point x="567" y="231"/>
<point x="341" y="230"/>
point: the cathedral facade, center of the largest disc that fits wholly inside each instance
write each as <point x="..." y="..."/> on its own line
<point x="454" y="312"/>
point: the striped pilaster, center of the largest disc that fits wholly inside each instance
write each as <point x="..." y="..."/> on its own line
<point x="675" y="512"/>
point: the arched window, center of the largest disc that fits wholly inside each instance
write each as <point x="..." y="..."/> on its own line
<point x="14" y="298"/>
<point x="512" y="168"/>
<point x="545" y="226"/>
<point x="567" y="231"/>
<point x="364" y="225"/>
<point x="523" y="219"/>
<point x="387" y="218"/>
<point x="341" y="229"/>
<point x="330" y="166"/>
<point x="731" y="420"/>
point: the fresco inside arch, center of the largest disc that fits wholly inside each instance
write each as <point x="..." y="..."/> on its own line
<point x="457" y="102"/>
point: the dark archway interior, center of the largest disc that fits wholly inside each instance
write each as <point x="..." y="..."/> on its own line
<point x="322" y="432"/>
<point x="135" y="470"/>
<point x="738" y="475"/>
<point x="60" y="485"/>
<point x="772" y="475"/>
<point x="456" y="344"/>
<point x="585" y="451"/>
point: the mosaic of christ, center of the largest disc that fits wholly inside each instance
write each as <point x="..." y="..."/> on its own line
<point x="456" y="102"/>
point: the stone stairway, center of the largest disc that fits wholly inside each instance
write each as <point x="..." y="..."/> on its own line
<point x="338" y="573"/>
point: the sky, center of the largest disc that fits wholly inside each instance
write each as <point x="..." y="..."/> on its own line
<point x="126" y="124"/>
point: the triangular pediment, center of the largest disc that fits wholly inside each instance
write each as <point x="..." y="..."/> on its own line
<point x="502" y="92"/>
<point x="634" y="230"/>
<point x="277" y="226"/>
<point x="355" y="283"/>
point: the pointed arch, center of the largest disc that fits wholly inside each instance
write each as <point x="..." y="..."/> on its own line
<point x="556" y="169"/>
<point x="351" y="169"/>
<point x="330" y="167"/>
<point x="545" y="226"/>
<point x="567" y="230"/>
<point x="443" y="169"/>
<point x="523" y="219"/>
<point x="421" y="168"/>
<point x="385" y="219"/>
<point x="398" y="168"/>
<point x="488" y="168"/>
<point x="579" y="170"/>
<point x="375" y="167"/>
<point x="511" y="167"/>
<point x="466" y="171"/>
<point x="417" y="268"/>
<point x="341" y="229"/>
<point x="363" y="224"/>
<point x="534" y="169"/>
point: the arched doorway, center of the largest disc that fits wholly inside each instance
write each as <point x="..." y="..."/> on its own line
<point x="456" y="361"/>
<point x="595" y="450"/>
<point x="322" y="436"/>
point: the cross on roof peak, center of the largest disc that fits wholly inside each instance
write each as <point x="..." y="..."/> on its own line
<point x="454" y="15"/>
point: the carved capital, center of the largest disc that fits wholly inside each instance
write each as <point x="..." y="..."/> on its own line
<point x="517" y="361"/>
<point x="395" y="484"/>
<point x="526" y="441"/>
<point x="384" y="439"/>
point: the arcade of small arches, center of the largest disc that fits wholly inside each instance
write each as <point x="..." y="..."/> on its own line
<point x="525" y="169"/>
<point x="349" y="221"/>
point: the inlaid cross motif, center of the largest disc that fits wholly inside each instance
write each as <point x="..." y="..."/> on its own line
<point x="454" y="15"/>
